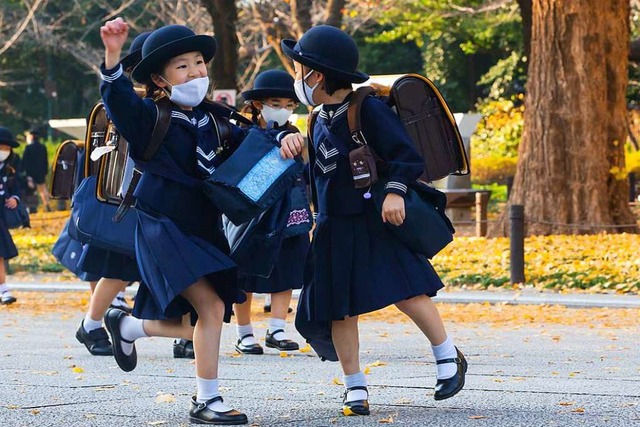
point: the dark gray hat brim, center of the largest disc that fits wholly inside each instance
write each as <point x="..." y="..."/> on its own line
<point x="258" y="94"/>
<point x="157" y="58"/>
<point x="287" y="47"/>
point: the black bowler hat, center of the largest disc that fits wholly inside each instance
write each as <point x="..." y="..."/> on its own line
<point x="6" y="138"/>
<point x="135" y="51"/>
<point x="271" y="83"/>
<point x="328" y="50"/>
<point x="168" y="42"/>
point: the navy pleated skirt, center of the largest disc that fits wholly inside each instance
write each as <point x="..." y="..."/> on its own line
<point x="8" y="249"/>
<point x="111" y="265"/>
<point x="288" y="273"/>
<point x="170" y="261"/>
<point x="356" y="266"/>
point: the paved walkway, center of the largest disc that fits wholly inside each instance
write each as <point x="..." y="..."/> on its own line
<point x="533" y="375"/>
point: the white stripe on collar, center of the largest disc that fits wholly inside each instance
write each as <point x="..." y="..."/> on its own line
<point x="331" y="115"/>
<point x="193" y="121"/>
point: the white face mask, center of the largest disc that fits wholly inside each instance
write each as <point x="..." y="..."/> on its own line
<point x="4" y="155"/>
<point x="304" y="91"/>
<point x="278" y="115"/>
<point x="191" y="93"/>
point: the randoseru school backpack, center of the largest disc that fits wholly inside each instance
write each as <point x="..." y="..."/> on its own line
<point x="435" y="135"/>
<point x="426" y="117"/>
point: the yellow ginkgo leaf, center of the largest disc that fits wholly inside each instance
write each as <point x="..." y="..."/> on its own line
<point x="77" y="369"/>
<point x="388" y="420"/>
<point x="305" y="349"/>
<point x="337" y="381"/>
<point x="367" y="370"/>
<point x="165" y="398"/>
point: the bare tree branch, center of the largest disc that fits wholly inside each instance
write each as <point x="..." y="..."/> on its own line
<point x="32" y="10"/>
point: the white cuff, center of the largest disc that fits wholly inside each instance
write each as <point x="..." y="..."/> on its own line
<point x="394" y="185"/>
<point x="109" y="78"/>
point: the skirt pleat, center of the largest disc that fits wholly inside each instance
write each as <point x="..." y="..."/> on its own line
<point x="288" y="273"/>
<point x="8" y="249"/>
<point x="170" y="261"/>
<point x="356" y="266"/>
<point x="100" y="262"/>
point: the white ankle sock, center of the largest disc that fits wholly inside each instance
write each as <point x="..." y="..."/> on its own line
<point x="446" y="350"/>
<point x="131" y="329"/>
<point x="274" y="325"/>
<point x="89" y="324"/>
<point x="244" y="330"/>
<point x="356" y="380"/>
<point x="119" y="300"/>
<point x="4" y="288"/>
<point x="208" y="389"/>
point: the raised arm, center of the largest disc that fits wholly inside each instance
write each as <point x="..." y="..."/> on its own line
<point x="134" y="117"/>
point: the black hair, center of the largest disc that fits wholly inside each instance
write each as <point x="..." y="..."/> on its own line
<point x="331" y="85"/>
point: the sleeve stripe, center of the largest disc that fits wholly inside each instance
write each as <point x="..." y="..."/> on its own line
<point x="281" y="135"/>
<point x="396" y="186"/>
<point x="110" y="78"/>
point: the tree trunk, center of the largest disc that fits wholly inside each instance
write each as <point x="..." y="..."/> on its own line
<point x="525" y="14"/>
<point x="224" y="15"/>
<point x="333" y="13"/>
<point x="301" y="15"/>
<point x="571" y="154"/>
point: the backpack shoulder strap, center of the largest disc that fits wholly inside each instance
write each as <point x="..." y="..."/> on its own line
<point x="353" y="113"/>
<point x="222" y="127"/>
<point x="163" y="120"/>
<point x="311" y="121"/>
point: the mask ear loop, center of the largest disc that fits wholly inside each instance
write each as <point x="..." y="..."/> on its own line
<point x="164" y="89"/>
<point x="304" y="83"/>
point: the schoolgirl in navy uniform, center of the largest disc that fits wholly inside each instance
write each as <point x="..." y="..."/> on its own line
<point x="358" y="266"/>
<point x="115" y="270"/>
<point x="9" y="197"/>
<point x="181" y="252"/>
<point x="272" y="100"/>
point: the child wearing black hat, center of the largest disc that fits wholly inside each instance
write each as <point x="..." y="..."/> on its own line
<point x="358" y="265"/>
<point x="9" y="200"/>
<point x="271" y="102"/>
<point x="181" y="252"/>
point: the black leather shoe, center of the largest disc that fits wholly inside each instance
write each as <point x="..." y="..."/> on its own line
<point x="267" y="309"/>
<point x="451" y="386"/>
<point x="96" y="341"/>
<point x="6" y="298"/>
<point x="248" y="349"/>
<point x="112" y="321"/>
<point x="200" y="414"/>
<point x="183" y="349"/>
<point x="355" y="407"/>
<point x="282" y="345"/>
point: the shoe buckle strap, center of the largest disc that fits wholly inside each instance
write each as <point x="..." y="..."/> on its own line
<point x="456" y="360"/>
<point x="202" y="405"/>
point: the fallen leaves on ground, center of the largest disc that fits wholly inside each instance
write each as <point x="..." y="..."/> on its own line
<point x="500" y="315"/>
<point x="388" y="420"/>
<point x="165" y="398"/>
<point x="592" y="263"/>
